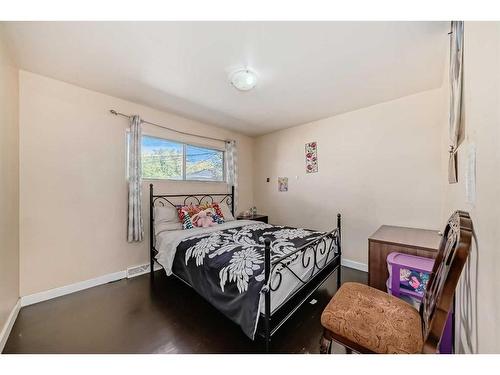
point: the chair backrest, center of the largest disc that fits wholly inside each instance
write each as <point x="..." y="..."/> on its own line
<point x="451" y="258"/>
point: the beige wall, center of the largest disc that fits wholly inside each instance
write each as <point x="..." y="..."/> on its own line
<point x="482" y="128"/>
<point x="384" y="164"/>
<point x="378" y="165"/>
<point x="9" y="183"/>
<point x="73" y="188"/>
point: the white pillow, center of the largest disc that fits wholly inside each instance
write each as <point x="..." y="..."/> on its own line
<point x="163" y="226"/>
<point x="226" y="211"/>
<point x="166" y="218"/>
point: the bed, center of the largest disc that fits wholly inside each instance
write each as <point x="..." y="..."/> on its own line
<point x="254" y="273"/>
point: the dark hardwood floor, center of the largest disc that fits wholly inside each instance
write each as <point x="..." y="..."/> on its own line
<point x="130" y="316"/>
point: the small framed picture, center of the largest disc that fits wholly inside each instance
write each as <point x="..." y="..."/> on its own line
<point x="282" y="184"/>
<point x="311" y="157"/>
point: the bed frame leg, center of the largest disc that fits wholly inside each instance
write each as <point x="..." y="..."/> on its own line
<point x="152" y="270"/>
<point x="268" y="342"/>
<point x="267" y="295"/>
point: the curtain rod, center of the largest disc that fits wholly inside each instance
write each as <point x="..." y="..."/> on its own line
<point x="112" y="111"/>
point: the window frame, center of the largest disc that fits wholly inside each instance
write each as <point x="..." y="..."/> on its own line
<point x="184" y="155"/>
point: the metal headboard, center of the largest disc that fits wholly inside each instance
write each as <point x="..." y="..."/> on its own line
<point x="165" y="199"/>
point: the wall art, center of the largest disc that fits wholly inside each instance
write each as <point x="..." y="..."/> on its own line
<point x="282" y="184"/>
<point x="311" y="157"/>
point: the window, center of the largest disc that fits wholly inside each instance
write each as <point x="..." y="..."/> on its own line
<point x="168" y="160"/>
<point x="161" y="159"/>
<point x="204" y="164"/>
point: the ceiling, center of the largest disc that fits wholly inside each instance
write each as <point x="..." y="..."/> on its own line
<point x="306" y="70"/>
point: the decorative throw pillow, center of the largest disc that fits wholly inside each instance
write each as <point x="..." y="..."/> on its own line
<point x="185" y="213"/>
<point x="191" y="210"/>
<point x="187" y="223"/>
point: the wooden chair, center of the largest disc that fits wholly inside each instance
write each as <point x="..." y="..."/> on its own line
<point x="367" y="320"/>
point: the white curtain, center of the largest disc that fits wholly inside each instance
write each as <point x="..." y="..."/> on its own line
<point x="135" y="226"/>
<point x="456" y="57"/>
<point x="232" y="170"/>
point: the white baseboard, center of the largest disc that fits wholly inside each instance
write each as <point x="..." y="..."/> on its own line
<point x="356" y="265"/>
<point x="104" y="279"/>
<point x="7" y="327"/>
<point x="67" y="289"/>
<point x="72" y="288"/>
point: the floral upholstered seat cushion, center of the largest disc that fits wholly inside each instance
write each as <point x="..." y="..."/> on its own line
<point x="374" y="320"/>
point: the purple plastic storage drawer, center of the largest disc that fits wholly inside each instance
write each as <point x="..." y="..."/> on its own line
<point x="408" y="275"/>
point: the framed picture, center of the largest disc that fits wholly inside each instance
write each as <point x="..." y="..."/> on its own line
<point x="311" y="157"/>
<point x="282" y="184"/>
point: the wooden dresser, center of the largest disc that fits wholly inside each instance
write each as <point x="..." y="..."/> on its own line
<point x="386" y="239"/>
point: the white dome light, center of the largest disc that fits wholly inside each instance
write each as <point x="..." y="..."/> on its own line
<point x="243" y="79"/>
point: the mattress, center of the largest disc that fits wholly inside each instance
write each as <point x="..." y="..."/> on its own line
<point x="167" y="242"/>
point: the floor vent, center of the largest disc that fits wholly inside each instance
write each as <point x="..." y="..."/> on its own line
<point x="137" y="270"/>
<point x="140" y="270"/>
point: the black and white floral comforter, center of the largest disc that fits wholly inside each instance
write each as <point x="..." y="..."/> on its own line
<point x="226" y="267"/>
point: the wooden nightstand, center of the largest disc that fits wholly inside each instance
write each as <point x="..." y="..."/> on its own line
<point x="255" y="217"/>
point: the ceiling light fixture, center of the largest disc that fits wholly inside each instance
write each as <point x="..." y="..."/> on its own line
<point x="243" y="79"/>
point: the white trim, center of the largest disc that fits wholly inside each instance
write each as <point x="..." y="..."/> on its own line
<point x="67" y="289"/>
<point x="104" y="279"/>
<point x="356" y="265"/>
<point x="7" y="327"/>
